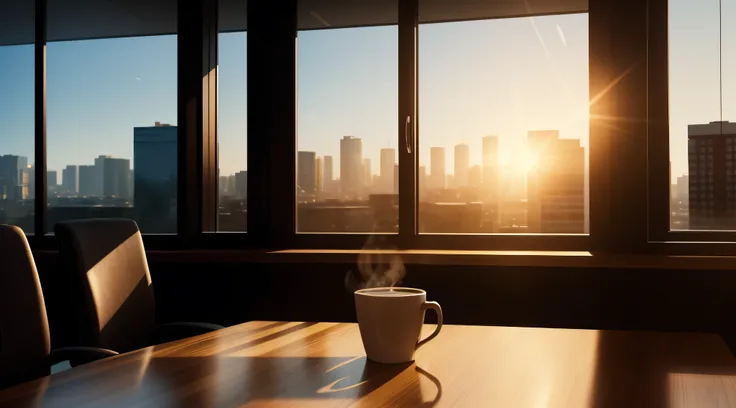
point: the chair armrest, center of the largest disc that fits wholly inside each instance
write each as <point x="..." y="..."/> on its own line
<point x="78" y="355"/>
<point x="164" y="333"/>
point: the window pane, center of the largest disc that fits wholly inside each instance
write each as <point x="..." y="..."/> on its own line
<point x="111" y="130"/>
<point x="17" y="115"/>
<point x="701" y="143"/>
<point x="347" y="164"/>
<point x="503" y="125"/>
<point x="232" y="133"/>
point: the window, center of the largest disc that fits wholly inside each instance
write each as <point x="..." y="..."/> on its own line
<point x="701" y="112"/>
<point x="347" y="161"/>
<point x="503" y="125"/>
<point x="232" y="132"/>
<point x="17" y="115"/>
<point x="111" y="121"/>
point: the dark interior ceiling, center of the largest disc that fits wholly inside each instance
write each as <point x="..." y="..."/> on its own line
<point x="88" y="19"/>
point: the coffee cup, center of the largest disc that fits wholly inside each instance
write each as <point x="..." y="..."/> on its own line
<point x="391" y="320"/>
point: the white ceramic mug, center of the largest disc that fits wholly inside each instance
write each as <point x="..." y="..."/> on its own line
<point x="390" y="322"/>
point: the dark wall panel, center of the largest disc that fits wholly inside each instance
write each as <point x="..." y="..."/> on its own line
<point x="603" y="298"/>
<point x="548" y="297"/>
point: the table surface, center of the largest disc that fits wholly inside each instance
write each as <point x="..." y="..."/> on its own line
<point x="294" y="364"/>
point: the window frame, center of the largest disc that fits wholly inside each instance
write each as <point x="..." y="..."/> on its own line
<point x="408" y="236"/>
<point x="658" y="151"/>
<point x="628" y="213"/>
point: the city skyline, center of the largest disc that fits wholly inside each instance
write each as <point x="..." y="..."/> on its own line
<point x="461" y="87"/>
<point x="500" y="162"/>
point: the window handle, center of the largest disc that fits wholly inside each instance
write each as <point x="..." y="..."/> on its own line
<point x="407" y="134"/>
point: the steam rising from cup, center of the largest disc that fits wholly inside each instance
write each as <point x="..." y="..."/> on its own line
<point x="377" y="267"/>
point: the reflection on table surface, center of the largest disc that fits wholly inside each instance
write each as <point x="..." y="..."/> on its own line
<point x="323" y="364"/>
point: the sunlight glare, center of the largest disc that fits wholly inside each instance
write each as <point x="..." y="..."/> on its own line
<point x="504" y="158"/>
<point x="529" y="162"/>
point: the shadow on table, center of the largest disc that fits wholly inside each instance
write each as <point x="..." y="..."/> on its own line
<point x="661" y="370"/>
<point x="235" y="381"/>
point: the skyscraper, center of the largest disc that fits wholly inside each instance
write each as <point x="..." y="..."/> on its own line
<point x="490" y="167"/>
<point x="388" y="160"/>
<point x="88" y="181"/>
<point x="351" y="167"/>
<point x="27" y="183"/>
<point x="367" y="179"/>
<point x="241" y="185"/>
<point x="437" y="174"/>
<point x="307" y="173"/>
<point x="11" y="179"/>
<point x="556" y="184"/>
<point x="52" y="179"/>
<point x="114" y="174"/>
<point x="318" y="169"/>
<point x="682" y="188"/>
<point x="222" y="185"/>
<point x="70" y="179"/>
<point x="475" y="177"/>
<point x="711" y="163"/>
<point x="462" y="165"/>
<point x="155" y="177"/>
<point x="328" y="180"/>
<point x="28" y="176"/>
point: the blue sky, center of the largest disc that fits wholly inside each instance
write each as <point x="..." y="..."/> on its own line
<point x="496" y="77"/>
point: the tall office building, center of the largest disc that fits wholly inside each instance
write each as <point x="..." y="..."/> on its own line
<point x="475" y="177"/>
<point x="28" y="176"/>
<point x="328" y="180"/>
<point x="88" y="181"/>
<point x="222" y="184"/>
<point x="682" y="188"/>
<point x="556" y="184"/>
<point x="351" y="167"/>
<point x="367" y="175"/>
<point x="114" y="176"/>
<point x="27" y="183"/>
<point x="462" y="165"/>
<point x="437" y="172"/>
<point x="155" y="176"/>
<point x="388" y="160"/>
<point x="52" y="179"/>
<point x="131" y="183"/>
<point x="490" y="167"/>
<point x="307" y="172"/>
<point x="70" y="179"/>
<point x="241" y="185"/>
<point x="226" y="185"/>
<point x="12" y="181"/>
<point x="318" y="170"/>
<point x="712" y="175"/>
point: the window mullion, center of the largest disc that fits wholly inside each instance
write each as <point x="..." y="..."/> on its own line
<point x="40" y="119"/>
<point x="407" y="126"/>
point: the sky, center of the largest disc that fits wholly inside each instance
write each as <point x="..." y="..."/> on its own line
<point x="494" y="77"/>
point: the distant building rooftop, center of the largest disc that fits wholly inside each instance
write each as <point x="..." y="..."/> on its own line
<point x="712" y="129"/>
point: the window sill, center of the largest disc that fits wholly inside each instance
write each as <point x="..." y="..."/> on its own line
<point x="557" y="259"/>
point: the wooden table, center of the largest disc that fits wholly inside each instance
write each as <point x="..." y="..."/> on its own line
<point x="291" y="364"/>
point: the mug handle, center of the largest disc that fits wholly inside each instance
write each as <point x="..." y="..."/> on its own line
<point x="436" y="307"/>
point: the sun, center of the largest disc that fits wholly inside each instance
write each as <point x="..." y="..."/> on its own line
<point x="522" y="162"/>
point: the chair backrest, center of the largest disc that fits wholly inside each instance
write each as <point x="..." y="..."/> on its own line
<point x="24" y="328"/>
<point x="109" y="284"/>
